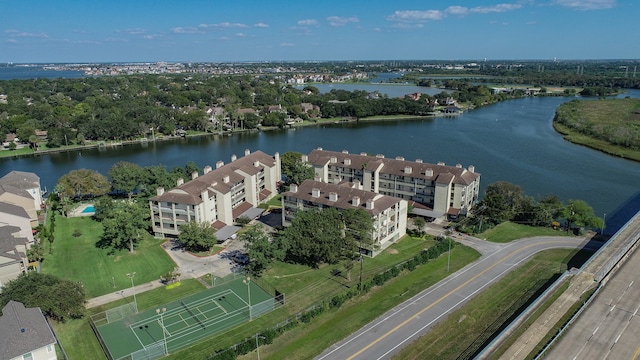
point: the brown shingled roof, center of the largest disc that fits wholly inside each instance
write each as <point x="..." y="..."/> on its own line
<point x="345" y="196"/>
<point x="392" y="166"/>
<point x="189" y="192"/>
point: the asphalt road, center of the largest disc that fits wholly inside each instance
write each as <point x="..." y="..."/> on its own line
<point x="610" y="326"/>
<point x="399" y="327"/>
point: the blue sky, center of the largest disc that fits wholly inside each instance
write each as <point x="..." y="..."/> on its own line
<point x="263" y="30"/>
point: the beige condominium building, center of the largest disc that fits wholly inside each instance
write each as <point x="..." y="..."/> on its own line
<point x="219" y="196"/>
<point x="389" y="213"/>
<point x="433" y="190"/>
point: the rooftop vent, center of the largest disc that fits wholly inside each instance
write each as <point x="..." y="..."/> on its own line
<point x="219" y="164"/>
<point x="333" y="196"/>
<point x="207" y="169"/>
<point x="179" y="182"/>
<point x="315" y="193"/>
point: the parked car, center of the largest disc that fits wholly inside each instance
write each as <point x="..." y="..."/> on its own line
<point x="240" y="258"/>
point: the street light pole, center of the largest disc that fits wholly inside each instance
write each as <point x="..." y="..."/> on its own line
<point x="248" y="282"/>
<point x="258" y="345"/>
<point x="604" y="222"/>
<point x="449" y="256"/>
<point x="164" y="335"/>
<point x="133" y="289"/>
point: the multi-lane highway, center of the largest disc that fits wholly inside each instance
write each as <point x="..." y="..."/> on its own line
<point x="608" y="328"/>
<point x="399" y="327"/>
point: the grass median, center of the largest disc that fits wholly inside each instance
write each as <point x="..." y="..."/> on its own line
<point x="508" y="231"/>
<point x="459" y="333"/>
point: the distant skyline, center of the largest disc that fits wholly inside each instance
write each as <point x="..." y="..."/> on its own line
<point x="261" y="30"/>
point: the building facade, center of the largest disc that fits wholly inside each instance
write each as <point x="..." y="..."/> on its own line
<point x="389" y="213"/>
<point x="433" y="190"/>
<point x="219" y="196"/>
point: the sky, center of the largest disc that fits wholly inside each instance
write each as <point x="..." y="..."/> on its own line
<point x="54" y="31"/>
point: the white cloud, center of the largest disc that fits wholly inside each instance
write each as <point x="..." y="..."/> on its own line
<point x="287" y="44"/>
<point x="308" y="22"/>
<point x="13" y="41"/>
<point x="457" y="10"/>
<point x="416" y="15"/>
<point x="240" y="34"/>
<point x="342" y="21"/>
<point x="223" y="25"/>
<point x="134" y="31"/>
<point x="16" y="33"/>
<point x="496" y="8"/>
<point x="186" y="30"/>
<point x="587" y="4"/>
<point x="404" y="25"/>
<point x="261" y="25"/>
<point x="530" y="22"/>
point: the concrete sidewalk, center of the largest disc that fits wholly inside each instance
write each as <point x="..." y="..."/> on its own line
<point x="107" y="298"/>
<point x="188" y="265"/>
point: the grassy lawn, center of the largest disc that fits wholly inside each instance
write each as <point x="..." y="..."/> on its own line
<point x="77" y="337"/>
<point x="449" y="339"/>
<point x="509" y="231"/>
<point x="594" y="123"/>
<point x="309" y="340"/>
<point x="77" y="258"/>
<point x="304" y="286"/>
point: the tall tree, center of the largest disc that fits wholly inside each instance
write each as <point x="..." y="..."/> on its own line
<point x="197" y="237"/>
<point x="294" y="170"/>
<point x="126" y="177"/>
<point x="83" y="182"/>
<point x="315" y="236"/>
<point x="261" y="251"/>
<point x="57" y="298"/>
<point x="124" y="225"/>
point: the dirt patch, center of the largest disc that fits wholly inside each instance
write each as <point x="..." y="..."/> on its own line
<point x="392" y="251"/>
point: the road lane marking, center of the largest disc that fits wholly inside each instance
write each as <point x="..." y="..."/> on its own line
<point x="411" y="318"/>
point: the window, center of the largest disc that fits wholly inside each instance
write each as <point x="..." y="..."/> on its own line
<point x="50" y="348"/>
<point x="27" y="356"/>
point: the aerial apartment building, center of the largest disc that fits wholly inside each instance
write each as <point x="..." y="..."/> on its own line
<point x="389" y="213"/>
<point x="219" y="196"/>
<point x="433" y="190"/>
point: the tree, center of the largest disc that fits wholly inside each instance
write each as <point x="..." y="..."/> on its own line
<point x="358" y="226"/>
<point x="197" y="237"/>
<point x="82" y="183"/>
<point x="315" y="236"/>
<point x="501" y="202"/>
<point x="124" y="226"/>
<point x="57" y="298"/>
<point x="261" y="251"/>
<point x="35" y="253"/>
<point x="419" y="222"/>
<point x="170" y="277"/>
<point x="294" y="170"/>
<point x="580" y="215"/>
<point x="126" y="177"/>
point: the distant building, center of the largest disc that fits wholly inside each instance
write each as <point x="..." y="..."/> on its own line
<point x="434" y="190"/>
<point x="25" y="334"/>
<point x="219" y="196"/>
<point x="388" y="213"/>
<point x="22" y="198"/>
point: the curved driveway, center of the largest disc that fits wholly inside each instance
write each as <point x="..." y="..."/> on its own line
<point x="400" y="326"/>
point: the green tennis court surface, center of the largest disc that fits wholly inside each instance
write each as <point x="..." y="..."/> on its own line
<point x="152" y="333"/>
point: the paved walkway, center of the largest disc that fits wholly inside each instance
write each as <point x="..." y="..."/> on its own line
<point x="187" y="264"/>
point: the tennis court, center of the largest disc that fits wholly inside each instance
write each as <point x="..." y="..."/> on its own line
<point x="152" y="333"/>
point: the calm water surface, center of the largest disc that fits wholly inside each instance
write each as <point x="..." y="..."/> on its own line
<point x="510" y="141"/>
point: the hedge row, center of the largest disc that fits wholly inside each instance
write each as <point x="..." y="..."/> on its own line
<point x="267" y="336"/>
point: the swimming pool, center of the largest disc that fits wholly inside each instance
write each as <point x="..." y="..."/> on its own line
<point x="89" y="209"/>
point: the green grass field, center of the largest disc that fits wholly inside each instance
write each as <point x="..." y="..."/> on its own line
<point x="593" y="123"/>
<point x="449" y="339"/>
<point x="78" y="258"/>
<point x="509" y="231"/>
